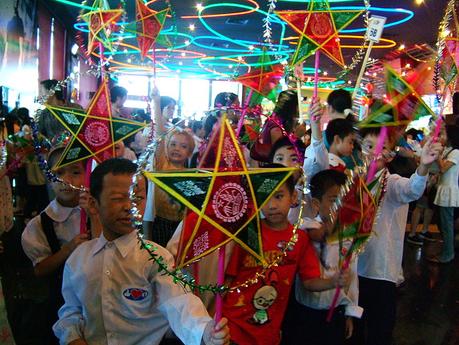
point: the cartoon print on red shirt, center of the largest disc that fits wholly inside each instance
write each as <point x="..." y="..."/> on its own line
<point x="264" y="297"/>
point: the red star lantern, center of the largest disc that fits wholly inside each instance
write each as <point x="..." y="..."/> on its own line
<point x="101" y="24"/>
<point x="94" y="132"/>
<point x="149" y="25"/>
<point x="318" y="28"/>
<point x="262" y="80"/>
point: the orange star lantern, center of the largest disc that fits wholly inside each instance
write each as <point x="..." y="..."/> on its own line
<point x="101" y="24"/>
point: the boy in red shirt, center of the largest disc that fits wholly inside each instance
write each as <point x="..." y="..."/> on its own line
<point x="255" y="314"/>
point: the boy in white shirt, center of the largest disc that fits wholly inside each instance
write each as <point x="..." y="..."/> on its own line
<point x="307" y="322"/>
<point x="380" y="265"/>
<point x="113" y="292"/>
<point x="50" y="238"/>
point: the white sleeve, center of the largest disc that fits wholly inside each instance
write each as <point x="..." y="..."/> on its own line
<point x="453" y="157"/>
<point x="315" y="158"/>
<point x="149" y="214"/>
<point x="185" y="312"/>
<point x="403" y="190"/>
<point x="71" y="322"/>
<point x="353" y="309"/>
<point x="34" y="242"/>
<point x="172" y="245"/>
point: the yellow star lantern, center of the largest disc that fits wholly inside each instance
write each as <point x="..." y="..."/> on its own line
<point x="318" y="28"/>
<point x="101" y="24"/>
<point x="94" y="131"/>
<point x="224" y="202"/>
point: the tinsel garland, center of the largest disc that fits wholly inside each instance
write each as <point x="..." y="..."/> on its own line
<point x="267" y="32"/>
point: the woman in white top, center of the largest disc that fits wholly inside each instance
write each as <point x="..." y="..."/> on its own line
<point x="447" y="197"/>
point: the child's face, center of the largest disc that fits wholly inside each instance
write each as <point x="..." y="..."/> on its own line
<point x="277" y="208"/>
<point x="72" y="174"/>
<point x="326" y="202"/>
<point x="345" y="146"/>
<point x="369" y="145"/>
<point x="114" y="204"/>
<point x="286" y="156"/>
<point x="178" y="149"/>
<point x="119" y="149"/>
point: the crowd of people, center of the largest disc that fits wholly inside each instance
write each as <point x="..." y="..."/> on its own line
<point x="100" y="286"/>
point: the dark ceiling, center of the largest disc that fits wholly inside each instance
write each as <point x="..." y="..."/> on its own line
<point x="228" y="37"/>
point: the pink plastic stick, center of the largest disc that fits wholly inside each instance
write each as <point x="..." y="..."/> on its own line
<point x="316" y="73"/>
<point x="331" y="311"/>
<point x="220" y="282"/>
<point x="241" y="120"/>
<point x="378" y="150"/>
<point x="87" y="178"/>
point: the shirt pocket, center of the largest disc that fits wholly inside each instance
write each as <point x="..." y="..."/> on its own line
<point x="137" y="301"/>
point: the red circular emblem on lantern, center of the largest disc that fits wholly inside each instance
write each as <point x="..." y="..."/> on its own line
<point x="97" y="134"/>
<point x="321" y="25"/>
<point x="230" y="202"/>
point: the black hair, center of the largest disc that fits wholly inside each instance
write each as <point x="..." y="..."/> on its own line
<point x="290" y="182"/>
<point x="51" y="84"/>
<point x="340" y="127"/>
<point x="364" y="131"/>
<point x="209" y="123"/>
<point x="117" y="92"/>
<point x="165" y="101"/>
<point x="452" y="134"/>
<point x="414" y="133"/>
<point x="196" y="126"/>
<point x="225" y="99"/>
<point x="324" y="180"/>
<point x="340" y="100"/>
<point x="284" y="141"/>
<point x="23" y="116"/>
<point x="287" y="108"/>
<point x="115" y="166"/>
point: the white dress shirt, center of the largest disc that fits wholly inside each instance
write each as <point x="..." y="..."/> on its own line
<point x="114" y="295"/>
<point x="349" y="297"/>
<point x="66" y="226"/>
<point x="315" y="158"/>
<point x="382" y="257"/>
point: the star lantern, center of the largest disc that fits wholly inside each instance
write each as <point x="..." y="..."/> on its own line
<point x="149" y="25"/>
<point x="223" y="202"/>
<point x="404" y="99"/>
<point x="94" y="131"/>
<point x="101" y="24"/>
<point x="264" y="79"/>
<point x="318" y="28"/>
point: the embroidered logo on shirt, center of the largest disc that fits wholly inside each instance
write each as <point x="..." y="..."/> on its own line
<point x="135" y="294"/>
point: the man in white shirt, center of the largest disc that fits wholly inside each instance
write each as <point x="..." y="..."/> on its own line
<point x="113" y="292"/>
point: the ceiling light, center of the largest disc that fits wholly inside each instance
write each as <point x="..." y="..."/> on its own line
<point x="199" y="7"/>
<point x="192" y="27"/>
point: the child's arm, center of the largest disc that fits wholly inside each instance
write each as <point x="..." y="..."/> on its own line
<point x="353" y="309"/>
<point x="404" y="190"/>
<point x="71" y="322"/>
<point x="53" y="262"/>
<point x="158" y="116"/>
<point x="341" y="279"/>
<point x="316" y="156"/>
<point x="450" y="160"/>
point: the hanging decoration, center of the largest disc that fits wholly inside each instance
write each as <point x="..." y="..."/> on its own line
<point x="94" y="131"/>
<point x="318" y="28"/>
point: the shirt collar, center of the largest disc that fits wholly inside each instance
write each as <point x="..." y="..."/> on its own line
<point x="124" y="244"/>
<point x="59" y="213"/>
